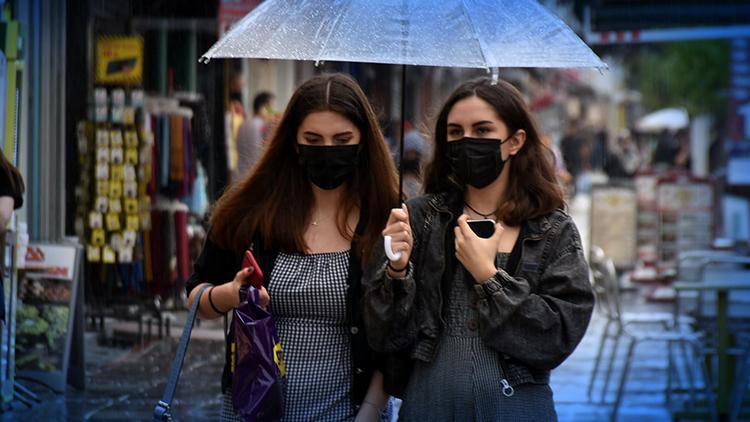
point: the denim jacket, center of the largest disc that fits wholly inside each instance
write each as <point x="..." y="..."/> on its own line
<point x="534" y="315"/>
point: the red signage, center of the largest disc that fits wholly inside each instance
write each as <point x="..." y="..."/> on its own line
<point x="231" y="11"/>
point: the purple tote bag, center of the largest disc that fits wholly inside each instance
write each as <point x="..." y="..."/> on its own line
<point x="258" y="381"/>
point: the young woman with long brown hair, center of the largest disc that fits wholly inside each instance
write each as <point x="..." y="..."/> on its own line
<point x="481" y="321"/>
<point x="313" y="208"/>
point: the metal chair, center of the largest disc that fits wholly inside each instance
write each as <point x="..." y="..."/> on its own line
<point x="700" y="261"/>
<point x="616" y="320"/>
<point x="670" y="333"/>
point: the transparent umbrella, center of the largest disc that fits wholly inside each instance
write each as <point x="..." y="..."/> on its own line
<point x="453" y="33"/>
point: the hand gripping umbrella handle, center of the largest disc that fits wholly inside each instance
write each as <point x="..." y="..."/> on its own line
<point x="393" y="256"/>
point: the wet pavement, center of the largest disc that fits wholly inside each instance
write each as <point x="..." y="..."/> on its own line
<point x="125" y="383"/>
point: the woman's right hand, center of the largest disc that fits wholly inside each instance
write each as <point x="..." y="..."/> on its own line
<point x="400" y="231"/>
<point x="243" y="278"/>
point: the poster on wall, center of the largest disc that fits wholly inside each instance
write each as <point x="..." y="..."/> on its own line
<point x="614" y="219"/>
<point x="119" y="60"/>
<point x="47" y="294"/>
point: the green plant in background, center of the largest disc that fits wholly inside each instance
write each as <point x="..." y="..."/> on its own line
<point x="694" y="75"/>
<point x="57" y="316"/>
<point x="40" y="336"/>
<point x="30" y="323"/>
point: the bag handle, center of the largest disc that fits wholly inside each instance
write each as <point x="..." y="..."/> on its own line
<point x="162" y="410"/>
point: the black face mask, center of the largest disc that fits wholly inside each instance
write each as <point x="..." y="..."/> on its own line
<point x="476" y="162"/>
<point x="329" y="166"/>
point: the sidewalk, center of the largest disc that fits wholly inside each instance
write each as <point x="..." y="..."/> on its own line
<point x="643" y="399"/>
<point x="125" y="384"/>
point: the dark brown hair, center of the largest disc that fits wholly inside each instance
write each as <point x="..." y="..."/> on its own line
<point x="274" y="200"/>
<point x="16" y="181"/>
<point x="532" y="189"/>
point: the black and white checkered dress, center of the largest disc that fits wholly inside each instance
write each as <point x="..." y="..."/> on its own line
<point x="308" y="301"/>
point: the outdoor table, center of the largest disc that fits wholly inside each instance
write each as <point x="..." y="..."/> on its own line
<point x="721" y="281"/>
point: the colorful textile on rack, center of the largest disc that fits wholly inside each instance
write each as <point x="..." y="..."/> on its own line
<point x="181" y="248"/>
<point x="174" y="156"/>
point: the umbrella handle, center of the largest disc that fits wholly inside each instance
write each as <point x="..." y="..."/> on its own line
<point x="393" y="256"/>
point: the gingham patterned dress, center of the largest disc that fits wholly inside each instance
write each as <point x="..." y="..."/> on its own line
<point x="308" y="302"/>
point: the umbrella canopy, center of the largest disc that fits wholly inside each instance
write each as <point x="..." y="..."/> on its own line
<point x="667" y="118"/>
<point x="453" y="33"/>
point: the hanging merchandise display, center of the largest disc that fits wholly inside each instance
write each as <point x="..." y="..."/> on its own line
<point x="113" y="206"/>
<point x="138" y="175"/>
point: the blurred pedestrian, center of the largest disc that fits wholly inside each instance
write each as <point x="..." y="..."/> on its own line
<point x="666" y="150"/>
<point x="561" y="173"/>
<point x="627" y="152"/>
<point x="253" y="132"/>
<point x="682" y="159"/>
<point x="414" y="151"/>
<point x="313" y="208"/>
<point x="481" y="320"/>
<point x="570" y="146"/>
<point x="235" y="116"/>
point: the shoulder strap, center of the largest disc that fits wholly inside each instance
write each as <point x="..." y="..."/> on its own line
<point x="162" y="411"/>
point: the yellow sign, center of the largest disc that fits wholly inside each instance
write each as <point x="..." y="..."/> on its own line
<point x="119" y="60"/>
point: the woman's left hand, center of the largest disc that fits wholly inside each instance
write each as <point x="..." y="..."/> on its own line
<point x="475" y="253"/>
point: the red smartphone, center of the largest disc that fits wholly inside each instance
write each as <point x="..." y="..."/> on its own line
<point x="256" y="278"/>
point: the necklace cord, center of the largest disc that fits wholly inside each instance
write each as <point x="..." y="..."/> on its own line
<point x="492" y="214"/>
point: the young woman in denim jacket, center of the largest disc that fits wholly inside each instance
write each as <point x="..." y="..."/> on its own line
<point x="479" y="323"/>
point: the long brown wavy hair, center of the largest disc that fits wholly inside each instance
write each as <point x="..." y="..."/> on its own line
<point x="275" y="199"/>
<point x="16" y="181"/>
<point x="532" y="189"/>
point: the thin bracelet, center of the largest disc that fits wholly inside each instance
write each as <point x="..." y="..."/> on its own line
<point x="211" y="302"/>
<point x="397" y="270"/>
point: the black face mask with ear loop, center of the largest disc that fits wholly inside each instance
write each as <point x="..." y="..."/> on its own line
<point x="328" y="167"/>
<point x="476" y="161"/>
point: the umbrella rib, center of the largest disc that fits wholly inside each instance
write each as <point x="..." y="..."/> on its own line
<point x="474" y="33"/>
<point x="333" y="27"/>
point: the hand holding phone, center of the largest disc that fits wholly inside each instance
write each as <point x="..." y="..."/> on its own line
<point x="256" y="276"/>
<point x="475" y="253"/>
<point x="483" y="228"/>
